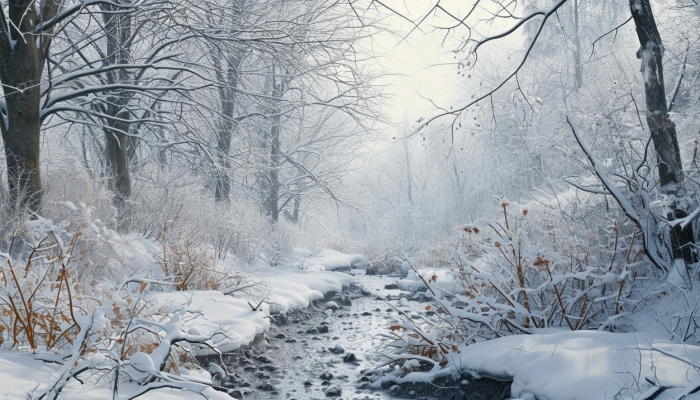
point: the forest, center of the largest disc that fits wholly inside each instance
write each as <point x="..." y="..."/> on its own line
<point x="358" y="199"/>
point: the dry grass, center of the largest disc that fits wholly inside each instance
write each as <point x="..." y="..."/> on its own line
<point x="38" y="297"/>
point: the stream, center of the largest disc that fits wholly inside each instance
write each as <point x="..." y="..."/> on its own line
<point x="330" y="351"/>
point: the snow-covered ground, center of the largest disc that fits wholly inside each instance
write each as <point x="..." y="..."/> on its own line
<point x="283" y="288"/>
<point x="330" y="260"/>
<point x="558" y="364"/>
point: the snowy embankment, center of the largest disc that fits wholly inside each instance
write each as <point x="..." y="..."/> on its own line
<point x="557" y="364"/>
<point x="584" y="365"/>
<point x="330" y="260"/>
<point x="230" y="321"/>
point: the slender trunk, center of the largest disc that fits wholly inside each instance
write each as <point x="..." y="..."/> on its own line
<point x="293" y="217"/>
<point x="663" y="130"/>
<point x="409" y="173"/>
<point x="224" y="132"/>
<point x="273" y="172"/>
<point x="116" y="127"/>
<point x="222" y="192"/>
<point x="578" y="68"/>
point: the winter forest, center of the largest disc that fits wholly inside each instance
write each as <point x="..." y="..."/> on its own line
<point x="351" y="199"/>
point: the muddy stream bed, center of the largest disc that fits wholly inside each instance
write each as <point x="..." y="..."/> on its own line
<point x="331" y="351"/>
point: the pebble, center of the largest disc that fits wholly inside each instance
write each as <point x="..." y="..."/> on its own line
<point x="333" y="392"/>
<point x="337" y="349"/>
<point x="326" y="376"/>
<point x="266" y="387"/>
<point x="350" y="357"/>
<point x="262" y="359"/>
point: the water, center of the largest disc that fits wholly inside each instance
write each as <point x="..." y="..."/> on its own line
<point x="303" y="355"/>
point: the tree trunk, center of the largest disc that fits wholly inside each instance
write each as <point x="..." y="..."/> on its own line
<point x="116" y="126"/>
<point x="273" y="170"/>
<point x="223" y="137"/>
<point x="22" y="57"/>
<point x="663" y="130"/>
<point x="578" y="68"/>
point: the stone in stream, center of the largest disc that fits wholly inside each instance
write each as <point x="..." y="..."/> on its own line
<point x="263" y="359"/>
<point x="344" y="301"/>
<point x="326" y="376"/>
<point x="337" y="349"/>
<point x="322" y="329"/>
<point x="333" y="392"/>
<point x="350" y="357"/>
<point x="391" y="286"/>
<point x="266" y="387"/>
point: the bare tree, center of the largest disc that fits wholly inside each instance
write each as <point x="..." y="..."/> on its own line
<point x="663" y="132"/>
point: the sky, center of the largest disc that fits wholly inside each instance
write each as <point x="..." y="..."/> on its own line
<point x="422" y="63"/>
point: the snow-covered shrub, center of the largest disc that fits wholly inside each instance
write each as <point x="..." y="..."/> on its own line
<point x="515" y="276"/>
<point x="133" y="343"/>
<point x="40" y="294"/>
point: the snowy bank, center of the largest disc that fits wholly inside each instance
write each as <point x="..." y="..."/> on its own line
<point x="331" y="260"/>
<point x="227" y="321"/>
<point x="583" y="365"/>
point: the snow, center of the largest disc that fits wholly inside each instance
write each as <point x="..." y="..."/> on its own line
<point x="413" y="282"/>
<point x="287" y="287"/>
<point x="581" y="365"/>
<point x="331" y="260"/>
<point x="290" y="288"/>
<point x="26" y="373"/>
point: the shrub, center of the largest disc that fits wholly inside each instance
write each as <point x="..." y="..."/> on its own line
<point x="512" y="276"/>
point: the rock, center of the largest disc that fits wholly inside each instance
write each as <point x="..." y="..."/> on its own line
<point x="366" y="313"/>
<point x="325" y="383"/>
<point x="280" y="336"/>
<point x="308" y="383"/>
<point x="263" y="359"/>
<point x="333" y="392"/>
<point x="312" y="331"/>
<point x="236" y="394"/>
<point x="326" y="376"/>
<point x="337" y="349"/>
<point x="350" y="357"/>
<point x="332" y="305"/>
<point x="391" y="286"/>
<point x="290" y="341"/>
<point x="247" y="354"/>
<point x="344" y="301"/>
<point x="322" y="329"/>
<point x="266" y="387"/>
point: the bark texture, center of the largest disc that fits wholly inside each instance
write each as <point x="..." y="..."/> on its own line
<point x="23" y="51"/>
<point x="663" y="130"/>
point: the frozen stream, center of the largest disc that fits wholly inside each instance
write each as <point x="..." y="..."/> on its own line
<point x="328" y="353"/>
